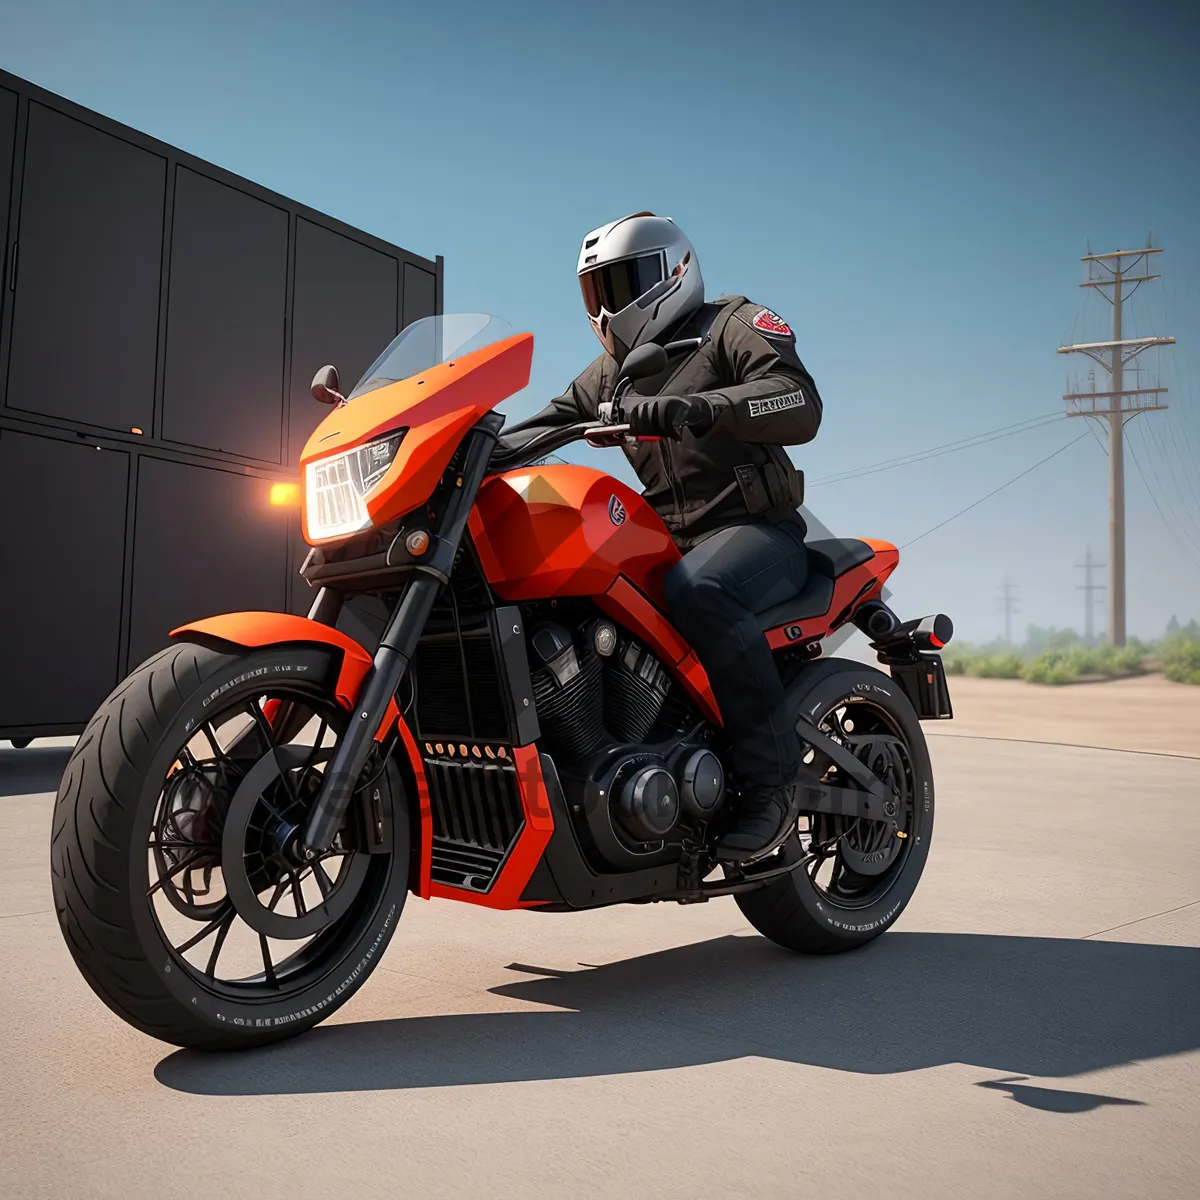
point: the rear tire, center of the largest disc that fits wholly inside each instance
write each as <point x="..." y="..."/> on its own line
<point x="105" y="811"/>
<point x="793" y="911"/>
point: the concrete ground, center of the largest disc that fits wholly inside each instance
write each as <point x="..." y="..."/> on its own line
<point x="1029" y="1028"/>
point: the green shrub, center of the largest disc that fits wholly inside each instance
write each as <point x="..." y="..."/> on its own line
<point x="1181" y="658"/>
<point x="1083" y="662"/>
<point x="1002" y="665"/>
<point x="1053" y="668"/>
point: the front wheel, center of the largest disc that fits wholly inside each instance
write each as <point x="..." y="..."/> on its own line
<point x="177" y="880"/>
<point x="856" y="876"/>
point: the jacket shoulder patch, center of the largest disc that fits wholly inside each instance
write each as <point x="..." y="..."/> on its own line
<point x="771" y="323"/>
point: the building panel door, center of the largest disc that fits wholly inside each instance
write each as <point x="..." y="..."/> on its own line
<point x="62" y="546"/>
<point x="207" y="541"/>
<point x="223" y="388"/>
<point x="89" y="253"/>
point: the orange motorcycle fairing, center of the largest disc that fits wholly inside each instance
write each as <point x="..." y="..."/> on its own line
<point x="436" y="407"/>
<point x="423" y="885"/>
<point x="624" y="603"/>
<point x="257" y="630"/>
<point x="563" y="530"/>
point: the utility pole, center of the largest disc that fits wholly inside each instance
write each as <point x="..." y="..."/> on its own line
<point x="1088" y="566"/>
<point x="1118" y="404"/>
<point x="1008" y="602"/>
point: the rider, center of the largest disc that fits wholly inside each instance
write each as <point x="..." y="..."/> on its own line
<point x="733" y="395"/>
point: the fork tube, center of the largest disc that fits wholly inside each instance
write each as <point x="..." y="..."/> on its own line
<point x="397" y="647"/>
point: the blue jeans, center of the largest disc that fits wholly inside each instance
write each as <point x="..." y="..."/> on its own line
<point x="713" y="594"/>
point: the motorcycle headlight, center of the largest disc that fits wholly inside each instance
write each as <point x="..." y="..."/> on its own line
<point x="335" y="488"/>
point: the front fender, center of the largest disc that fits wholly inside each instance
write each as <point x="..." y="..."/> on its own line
<point x="254" y="630"/>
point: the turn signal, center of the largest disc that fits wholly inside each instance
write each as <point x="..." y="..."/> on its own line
<point x="285" y="495"/>
<point x="417" y="542"/>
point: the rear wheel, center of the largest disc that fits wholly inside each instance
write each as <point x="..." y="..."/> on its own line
<point x="177" y="880"/>
<point x="856" y="876"/>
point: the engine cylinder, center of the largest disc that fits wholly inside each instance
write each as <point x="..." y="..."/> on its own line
<point x="635" y="688"/>
<point x="567" y="690"/>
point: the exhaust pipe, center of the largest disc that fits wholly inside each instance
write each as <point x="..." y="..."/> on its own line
<point x="884" y="628"/>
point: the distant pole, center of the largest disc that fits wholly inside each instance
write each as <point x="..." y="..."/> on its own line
<point x="1088" y="587"/>
<point x="1112" y="271"/>
<point x="1116" y="475"/>
<point x="1008" y="602"/>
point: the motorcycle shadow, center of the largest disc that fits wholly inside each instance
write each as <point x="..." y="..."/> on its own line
<point x="1023" y="1006"/>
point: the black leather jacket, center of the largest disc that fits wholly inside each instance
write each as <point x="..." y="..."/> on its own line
<point x="746" y="366"/>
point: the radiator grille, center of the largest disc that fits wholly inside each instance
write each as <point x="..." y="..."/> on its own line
<point x="451" y="703"/>
<point x="476" y="808"/>
<point x="457" y="665"/>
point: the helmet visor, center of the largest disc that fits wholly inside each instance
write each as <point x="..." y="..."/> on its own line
<point x="615" y="286"/>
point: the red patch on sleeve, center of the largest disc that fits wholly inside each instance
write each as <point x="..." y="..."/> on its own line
<point x="771" y="322"/>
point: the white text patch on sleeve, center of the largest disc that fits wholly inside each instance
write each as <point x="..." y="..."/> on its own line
<point x="773" y="404"/>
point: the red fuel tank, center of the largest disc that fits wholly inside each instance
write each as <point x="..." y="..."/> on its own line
<point x="563" y="530"/>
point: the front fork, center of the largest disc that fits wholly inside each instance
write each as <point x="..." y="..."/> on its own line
<point x="397" y="646"/>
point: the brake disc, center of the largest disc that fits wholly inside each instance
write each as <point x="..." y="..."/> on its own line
<point x="187" y="839"/>
<point x="258" y="856"/>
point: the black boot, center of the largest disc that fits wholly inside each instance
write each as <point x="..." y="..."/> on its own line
<point x="766" y="814"/>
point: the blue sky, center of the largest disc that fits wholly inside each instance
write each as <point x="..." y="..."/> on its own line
<point x="909" y="184"/>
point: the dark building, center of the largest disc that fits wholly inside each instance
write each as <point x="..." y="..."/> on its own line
<point x="160" y="322"/>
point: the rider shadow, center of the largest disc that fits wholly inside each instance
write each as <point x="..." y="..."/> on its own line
<point x="32" y="771"/>
<point x="1019" y="1006"/>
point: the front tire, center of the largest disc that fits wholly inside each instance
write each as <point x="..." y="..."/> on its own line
<point x="799" y="911"/>
<point x="129" y="835"/>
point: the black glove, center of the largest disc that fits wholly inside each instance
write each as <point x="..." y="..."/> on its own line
<point x="667" y="416"/>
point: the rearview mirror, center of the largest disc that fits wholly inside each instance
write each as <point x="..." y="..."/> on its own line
<point x="645" y="362"/>
<point x="326" y="386"/>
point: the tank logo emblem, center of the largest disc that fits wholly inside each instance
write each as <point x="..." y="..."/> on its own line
<point x="793" y="633"/>
<point x="616" y="511"/>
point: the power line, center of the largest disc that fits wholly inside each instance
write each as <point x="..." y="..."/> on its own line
<point x="994" y="491"/>
<point x="979" y="439"/>
<point x="1150" y="492"/>
<point x="1167" y="453"/>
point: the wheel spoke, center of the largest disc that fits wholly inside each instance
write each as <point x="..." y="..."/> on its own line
<point x="297" y="895"/>
<point x="210" y="735"/>
<point x="224" y="760"/>
<point x="264" y="726"/>
<point x="187" y="865"/>
<point x="199" y="937"/>
<point x="323" y="880"/>
<point x="268" y="965"/>
<point x="222" y="931"/>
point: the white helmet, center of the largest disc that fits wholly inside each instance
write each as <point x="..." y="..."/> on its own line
<point x="639" y="276"/>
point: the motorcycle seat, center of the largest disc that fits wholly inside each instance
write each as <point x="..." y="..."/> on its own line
<point x="827" y="560"/>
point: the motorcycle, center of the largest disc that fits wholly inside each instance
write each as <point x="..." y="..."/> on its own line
<point x="241" y="822"/>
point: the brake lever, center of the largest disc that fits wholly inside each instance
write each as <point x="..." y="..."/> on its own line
<point x="606" y="435"/>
